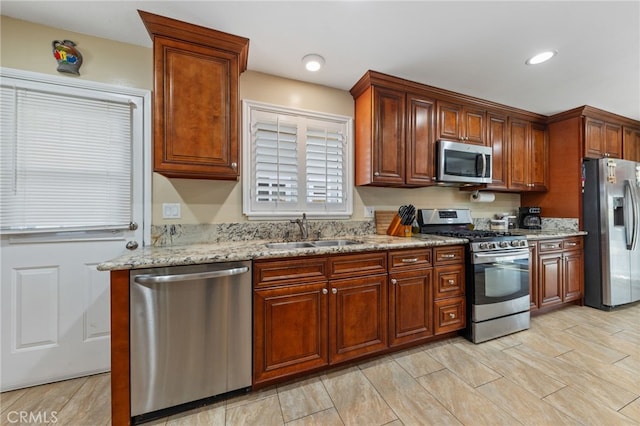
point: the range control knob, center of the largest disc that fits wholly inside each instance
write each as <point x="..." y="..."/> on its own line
<point x="492" y="245"/>
<point x="504" y="244"/>
<point x="516" y="243"/>
<point x="484" y="246"/>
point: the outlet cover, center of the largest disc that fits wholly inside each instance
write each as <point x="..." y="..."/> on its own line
<point x="171" y="211"/>
<point x="369" y="211"/>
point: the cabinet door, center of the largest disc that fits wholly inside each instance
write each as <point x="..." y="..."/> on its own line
<point x="631" y="144"/>
<point x="613" y="140"/>
<point x="357" y="317"/>
<point x="497" y="133"/>
<point x="593" y="138"/>
<point x="196" y="120"/>
<point x="533" y="276"/>
<point x="410" y="306"/>
<point x="290" y="330"/>
<point x="449" y="121"/>
<point x="573" y="275"/>
<point x="388" y="136"/>
<point x="474" y="126"/>
<point x="518" y="155"/>
<point x="550" y="275"/>
<point x="420" y="169"/>
<point x="538" y="158"/>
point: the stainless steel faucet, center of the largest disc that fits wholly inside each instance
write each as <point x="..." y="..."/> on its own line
<point x="304" y="226"/>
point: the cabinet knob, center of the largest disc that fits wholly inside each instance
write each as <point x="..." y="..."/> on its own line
<point x="451" y="282"/>
<point x="376" y="173"/>
<point x="325" y="291"/>
<point x="452" y="315"/>
<point x="334" y="290"/>
<point x="234" y="166"/>
<point x="394" y="281"/>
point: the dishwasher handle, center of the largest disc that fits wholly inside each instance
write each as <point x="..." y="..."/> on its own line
<point x="159" y="279"/>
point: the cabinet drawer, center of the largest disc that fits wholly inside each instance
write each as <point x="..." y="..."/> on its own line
<point x="286" y="271"/>
<point x="358" y="264"/>
<point x="549" y="245"/>
<point x="409" y="259"/>
<point x="449" y="281"/>
<point x="573" y="243"/>
<point x="448" y="254"/>
<point x="449" y="315"/>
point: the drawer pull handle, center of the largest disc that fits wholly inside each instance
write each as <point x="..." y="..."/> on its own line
<point x="412" y="260"/>
<point x="394" y="281"/>
<point x="448" y="256"/>
<point x="452" y="315"/>
<point x="571" y="244"/>
<point x="451" y="282"/>
<point x="325" y="291"/>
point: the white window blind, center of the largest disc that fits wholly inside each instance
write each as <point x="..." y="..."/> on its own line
<point x="66" y="159"/>
<point x="295" y="161"/>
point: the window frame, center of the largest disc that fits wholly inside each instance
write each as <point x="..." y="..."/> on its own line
<point x="248" y="207"/>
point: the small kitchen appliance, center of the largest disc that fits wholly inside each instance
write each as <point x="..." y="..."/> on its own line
<point x="529" y="218"/>
<point x="497" y="273"/>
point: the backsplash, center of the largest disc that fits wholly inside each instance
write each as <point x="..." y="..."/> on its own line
<point x="548" y="223"/>
<point x="168" y="235"/>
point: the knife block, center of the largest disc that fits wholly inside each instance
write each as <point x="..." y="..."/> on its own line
<point x="397" y="229"/>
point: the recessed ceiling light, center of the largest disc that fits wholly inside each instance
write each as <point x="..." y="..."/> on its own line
<point x="313" y="62"/>
<point x="541" y="57"/>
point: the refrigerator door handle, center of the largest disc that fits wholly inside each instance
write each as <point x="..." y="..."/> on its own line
<point x="631" y="199"/>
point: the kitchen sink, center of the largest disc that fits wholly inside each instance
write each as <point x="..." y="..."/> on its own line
<point x="333" y="243"/>
<point x="286" y="246"/>
<point x="307" y="244"/>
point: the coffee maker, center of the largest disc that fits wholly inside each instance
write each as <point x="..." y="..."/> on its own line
<point x="529" y="218"/>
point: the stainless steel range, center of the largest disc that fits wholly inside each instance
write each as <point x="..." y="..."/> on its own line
<point x="497" y="272"/>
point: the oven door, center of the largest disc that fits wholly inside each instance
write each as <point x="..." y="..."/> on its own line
<point x="501" y="283"/>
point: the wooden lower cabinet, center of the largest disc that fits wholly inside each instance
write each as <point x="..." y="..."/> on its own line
<point x="291" y="333"/>
<point x="315" y="311"/>
<point x="557" y="273"/>
<point x="357" y="317"/>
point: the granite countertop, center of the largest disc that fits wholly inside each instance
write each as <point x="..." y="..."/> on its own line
<point x="191" y="254"/>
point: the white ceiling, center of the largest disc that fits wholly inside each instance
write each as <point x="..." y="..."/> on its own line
<point x="474" y="47"/>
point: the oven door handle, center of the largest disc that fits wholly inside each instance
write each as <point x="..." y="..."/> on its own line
<point x="501" y="256"/>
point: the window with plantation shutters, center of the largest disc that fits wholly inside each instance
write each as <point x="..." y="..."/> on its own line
<point x="295" y="162"/>
<point x="66" y="158"/>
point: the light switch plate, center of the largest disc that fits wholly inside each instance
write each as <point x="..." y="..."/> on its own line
<point x="369" y="211"/>
<point x="171" y="211"/>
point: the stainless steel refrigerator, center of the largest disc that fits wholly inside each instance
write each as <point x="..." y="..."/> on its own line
<point x="611" y="216"/>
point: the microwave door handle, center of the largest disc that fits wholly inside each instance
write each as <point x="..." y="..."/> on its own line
<point x="484" y="165"/>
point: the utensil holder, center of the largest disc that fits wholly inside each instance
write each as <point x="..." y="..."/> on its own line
<point x="394" y="226"/>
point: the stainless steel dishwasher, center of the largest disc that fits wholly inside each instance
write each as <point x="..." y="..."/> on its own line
<point x="190" y="335"/>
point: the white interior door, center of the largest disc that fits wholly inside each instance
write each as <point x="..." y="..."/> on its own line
<point x="55" y="320"/>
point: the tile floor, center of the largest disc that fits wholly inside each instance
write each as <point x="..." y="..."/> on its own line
<point x="577" y="366"/>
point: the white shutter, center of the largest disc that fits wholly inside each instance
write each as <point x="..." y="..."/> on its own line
<point x="295" y="162"/>
<point x="66" y="159"/>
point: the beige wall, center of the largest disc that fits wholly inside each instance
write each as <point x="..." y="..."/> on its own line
<point x="27" y="46"/>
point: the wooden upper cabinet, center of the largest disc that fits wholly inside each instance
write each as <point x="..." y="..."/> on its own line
<point x="631" y="143"/>
<point x="420" y="161"/>
<point x="602" y="139"/>
<point x="464" y="123"/>
<point x="528" y="156"/>
<point x="497" y="138"/>
<point x="196" y="123"/>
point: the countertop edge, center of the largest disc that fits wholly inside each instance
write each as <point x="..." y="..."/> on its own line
<point x="152" y="257"/>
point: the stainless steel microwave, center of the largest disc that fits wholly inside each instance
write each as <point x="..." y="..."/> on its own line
<point x="463" y="163"/>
